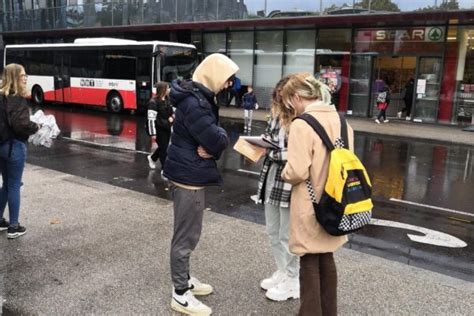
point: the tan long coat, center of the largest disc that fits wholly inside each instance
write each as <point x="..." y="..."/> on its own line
<point x="307" y="156"/>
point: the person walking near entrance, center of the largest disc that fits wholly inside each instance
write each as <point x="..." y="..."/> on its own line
<point x="15" y="128"/>
<point x="275" y="195"/>
<point x="308" y="158"/>
<point x="249" y="103"/>
<point x="408" y="99"/>
<point x="197" y="142"/>
<point x="160" y="119"/>
<point x="383" y="101"/>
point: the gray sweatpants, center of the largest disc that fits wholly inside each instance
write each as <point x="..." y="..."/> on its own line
<point x="277" y="220"/>
<point x="188" y="214"/>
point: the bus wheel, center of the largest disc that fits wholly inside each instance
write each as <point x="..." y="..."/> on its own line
<point x="114" y="102"/>
<point x="37" y="95"/>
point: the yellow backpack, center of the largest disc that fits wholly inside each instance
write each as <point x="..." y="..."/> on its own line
<point x="345" y="205"/>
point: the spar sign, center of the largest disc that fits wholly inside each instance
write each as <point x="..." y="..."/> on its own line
<point x="412" y="34"/>
<point x="425" y="34"/>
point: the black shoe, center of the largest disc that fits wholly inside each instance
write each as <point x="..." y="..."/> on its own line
<point x="4" y="225"/>
<point x="16" y="231"/>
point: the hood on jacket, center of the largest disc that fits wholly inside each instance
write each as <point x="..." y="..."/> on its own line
<point x="214" y="71"/>
<point x="182" y="89"/>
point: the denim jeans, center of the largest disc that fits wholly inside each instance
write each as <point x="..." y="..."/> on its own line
<point x="11" y="165"/>
<point x="248" y="118"/>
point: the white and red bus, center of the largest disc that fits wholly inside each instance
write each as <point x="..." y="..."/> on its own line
<point x="115" y="73"/>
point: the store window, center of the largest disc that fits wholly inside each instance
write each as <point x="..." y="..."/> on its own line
<point x="464" y="100"/>
<point x="196" y="40"/>
<point x="214" y="43"/>
<point x="268" y="63"/>
<point x="240" y="50"/>
<point x="299" y="51"/>
<point x="333" y="63"/>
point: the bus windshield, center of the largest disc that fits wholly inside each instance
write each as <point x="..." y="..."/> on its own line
<point x="176" y="62"/>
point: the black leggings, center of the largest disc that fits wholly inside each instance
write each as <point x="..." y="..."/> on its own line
<point x="382" y="114"/>
<point x="162" y="140"/>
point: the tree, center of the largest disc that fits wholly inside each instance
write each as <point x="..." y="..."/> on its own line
<point x="379" y="5"/>
<point x="331" y="8"/>
<point x="451" y="5"/>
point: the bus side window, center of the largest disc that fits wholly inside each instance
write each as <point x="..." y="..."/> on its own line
<point x="119" y="65"/>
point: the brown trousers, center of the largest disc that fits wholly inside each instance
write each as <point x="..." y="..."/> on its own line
<point x="318" y="285"/>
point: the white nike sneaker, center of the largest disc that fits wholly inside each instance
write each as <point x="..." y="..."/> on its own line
<point x="377" y="121"/>
<point x="198" y="288"/>
<point x="272" y="281"/>
<point x="288" y="288"/>
<point x="189" y="305"/>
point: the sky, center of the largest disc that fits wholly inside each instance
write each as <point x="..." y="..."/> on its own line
<point x="313" y="5"/>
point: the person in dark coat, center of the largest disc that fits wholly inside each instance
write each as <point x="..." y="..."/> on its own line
<point x="408" y="98"/>
<point x="160" y="119"/>
<point x="249" y="103"/>
<point x="17" y="127"/>
<point x="196" y="143"/>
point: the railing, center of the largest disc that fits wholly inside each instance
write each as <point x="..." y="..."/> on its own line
<point x="153" y="12"/>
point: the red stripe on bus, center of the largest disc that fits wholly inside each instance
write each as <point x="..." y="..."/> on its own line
<point x="90" y="96"/>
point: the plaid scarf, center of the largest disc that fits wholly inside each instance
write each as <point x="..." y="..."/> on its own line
<point x="281" y="191"/>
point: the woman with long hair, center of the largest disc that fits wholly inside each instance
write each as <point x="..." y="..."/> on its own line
<point x="17" y="127"/>
<point x="160" y="119"/>
<point x="308" y="158"/>
<point x="275" y="194"/>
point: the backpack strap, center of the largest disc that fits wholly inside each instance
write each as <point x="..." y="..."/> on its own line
<point x="319" y="129"/>
<point x="344" y="133"/>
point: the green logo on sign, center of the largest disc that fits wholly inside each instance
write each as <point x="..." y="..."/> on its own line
<point x="435" y="34"/>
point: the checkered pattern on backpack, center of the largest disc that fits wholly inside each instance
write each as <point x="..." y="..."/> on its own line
<point x="354" y="221"/>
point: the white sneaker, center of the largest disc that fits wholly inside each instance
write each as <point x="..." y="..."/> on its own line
<point x="198" y="288"/>
<point x="408" y="118"/>
<point x="189" y="305"/>
<point x="288" y="288"/>
<point x="272" y="281"/>
<point x="377" y="121"/>
<point x="163" y="176"/>
<point x="151" y="163"/>
<point x="386" y="121"/>
<point x="399" y="114"/>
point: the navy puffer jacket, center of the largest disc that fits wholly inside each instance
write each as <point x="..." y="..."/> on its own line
<point x="195" y="125"/>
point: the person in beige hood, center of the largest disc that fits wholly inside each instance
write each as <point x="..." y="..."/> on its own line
<point x="309" y="159"/>
<point x="196" y="143"/>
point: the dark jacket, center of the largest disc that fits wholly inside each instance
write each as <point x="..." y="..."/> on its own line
<point x="249" y="101"/>
<point x="158" y="115"/>
<point x="195" y="125"/>
<point x="18" y="114"/>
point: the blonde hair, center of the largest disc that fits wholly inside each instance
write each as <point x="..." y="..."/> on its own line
<point x="307" y="87"/>
<point x="12" y="82"/>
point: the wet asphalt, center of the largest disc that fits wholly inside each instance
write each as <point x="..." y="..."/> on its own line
<point x="420" y="188"/>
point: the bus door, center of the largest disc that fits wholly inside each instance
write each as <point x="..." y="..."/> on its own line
<point x="144" y="81"/>
<point x="61" y="78"/>
<point x="66" y="77"/>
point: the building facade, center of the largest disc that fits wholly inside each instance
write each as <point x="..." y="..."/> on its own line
<point x="352" y="48"/>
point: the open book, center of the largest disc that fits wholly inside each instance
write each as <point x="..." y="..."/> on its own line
<point x="261" y="141"/>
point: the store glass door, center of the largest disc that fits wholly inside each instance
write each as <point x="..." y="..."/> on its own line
<point x="361" y="84"/>
<point x="427" y="89"/>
